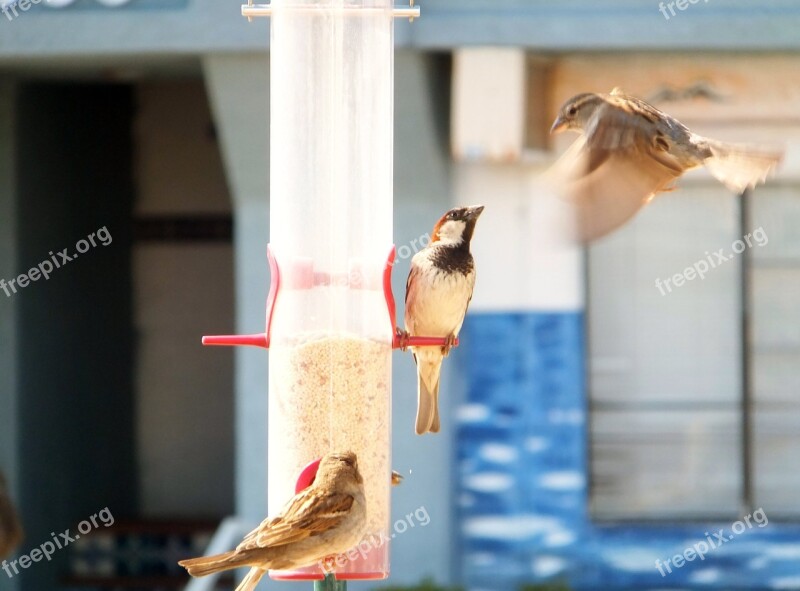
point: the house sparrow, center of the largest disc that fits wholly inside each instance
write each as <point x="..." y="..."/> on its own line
<point x="327" y="518"/>
<point x="630" y="151"/>
<point x="438" y="292"/>
<point x="10" y="529"/>
<point x="397" y="478"/>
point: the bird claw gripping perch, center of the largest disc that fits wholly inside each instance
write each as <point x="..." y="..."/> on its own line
<point x="401" y="338"/>
<point x="449" y="342"/>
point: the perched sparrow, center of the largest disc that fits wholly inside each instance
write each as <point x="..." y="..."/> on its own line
<point x="630" y="151"/>
<point x="438" y="292"/>
<point x="327" y="518"/>
<point x="10" y="529"/>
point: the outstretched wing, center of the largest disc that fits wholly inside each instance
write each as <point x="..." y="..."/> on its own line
<point x="628" y="128"/>
<point x="601" y="188"/>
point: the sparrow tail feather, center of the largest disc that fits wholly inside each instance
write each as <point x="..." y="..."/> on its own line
<point x="208" y="565"/>
<point x="427" y="397"/>
<point x="740" y="167"/>
<point x="435" y="422"/>
<point x="252" y="579"/>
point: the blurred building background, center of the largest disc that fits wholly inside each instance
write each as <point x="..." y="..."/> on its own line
<point x="592" y="425"/>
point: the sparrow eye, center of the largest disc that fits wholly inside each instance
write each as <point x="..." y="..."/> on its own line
<point x="572" y="111"/>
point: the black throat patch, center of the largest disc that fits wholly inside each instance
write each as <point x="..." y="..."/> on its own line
<point x="453" y="259"/>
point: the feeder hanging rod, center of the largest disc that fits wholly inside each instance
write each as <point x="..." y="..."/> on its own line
<point x="251" y="10"/>
<point x="329" y="583"/>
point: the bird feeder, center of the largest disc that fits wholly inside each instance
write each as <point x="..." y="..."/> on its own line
<point x="331" y="312"/>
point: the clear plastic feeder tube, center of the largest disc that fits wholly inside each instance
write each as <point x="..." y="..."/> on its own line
<point x="331" y="231"/>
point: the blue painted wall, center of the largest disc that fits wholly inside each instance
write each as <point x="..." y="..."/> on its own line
<point x="522" y="480"/>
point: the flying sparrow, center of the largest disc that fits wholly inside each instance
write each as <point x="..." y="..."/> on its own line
<point x="327" y="518"/>
<point x="10" y="529"/>
<point x="438" y="292"/>
<point x="630" y="151"/>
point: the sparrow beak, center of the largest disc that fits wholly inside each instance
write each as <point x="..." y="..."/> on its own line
<point x="559" y="125"/>
<point x="474" y="212"/>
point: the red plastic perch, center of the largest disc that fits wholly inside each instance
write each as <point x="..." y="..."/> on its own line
<point x="263" y="339"/>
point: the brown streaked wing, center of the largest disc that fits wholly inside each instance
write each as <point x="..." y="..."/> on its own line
<point x="613" y="128"/>
<point x="413" y="284"/>
<point x="412" y="274"/>
<point x="621" y="128"/>
<point x="307" y="515"/>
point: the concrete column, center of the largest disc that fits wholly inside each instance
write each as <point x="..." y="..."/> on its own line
<point x="238" y="87"/>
